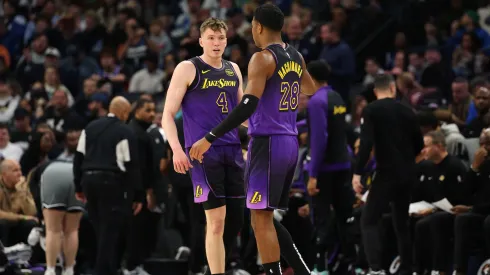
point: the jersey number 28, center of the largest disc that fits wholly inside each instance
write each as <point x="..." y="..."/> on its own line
<point x="290" y="96"/>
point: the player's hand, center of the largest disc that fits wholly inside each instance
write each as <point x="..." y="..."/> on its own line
<point x="459" y="209"/>
<point x="423" y="213"/>
<point x="356" y="184"/>
<point x="137" y="208"/>
<point x="198" y="149"/>
<point x="312" y="189"/>
<point x="81" y="197"/>
<point x="181" y="162"/>
<point x="304" y="211"/>
<point x="151" y="201"/>
<point x="31" y="218"/>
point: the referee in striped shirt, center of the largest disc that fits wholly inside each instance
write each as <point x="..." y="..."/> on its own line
<point x="107" y="177"/>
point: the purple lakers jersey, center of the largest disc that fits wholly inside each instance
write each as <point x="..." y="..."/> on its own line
<point x="208" y="100"/>
<point x="276" y="111"/>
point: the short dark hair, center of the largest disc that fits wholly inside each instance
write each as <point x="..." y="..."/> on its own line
<point x="383" y="81"/>
<point x="269" y="16"/>
<point x="319" y="70"/>
<point x="460" y="79"/>
<point x="478" y="81"/>
<point x="437" y="137"/>
<point x="4" y="126"/>
<point x="140" y="103"/>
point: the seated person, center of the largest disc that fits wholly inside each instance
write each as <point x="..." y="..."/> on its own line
<point x="445" y="178"/>
<point x="17" y="208"/>
<point x="472" y="224"/>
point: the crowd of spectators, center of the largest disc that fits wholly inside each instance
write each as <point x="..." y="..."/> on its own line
<point x="62" y="61"/>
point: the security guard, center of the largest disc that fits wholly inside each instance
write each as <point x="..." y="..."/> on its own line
<point x="106" y="169"/>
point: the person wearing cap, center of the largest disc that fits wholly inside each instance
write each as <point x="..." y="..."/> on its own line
<point x="98" y="106"/>
<point x="150" y="79"/>
<point x="51" y="57"/>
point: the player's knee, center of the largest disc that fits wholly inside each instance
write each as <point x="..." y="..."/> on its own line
<point x="262" y="221"/>
<point x="215" y="220"/>
<point x="216" y="226"/>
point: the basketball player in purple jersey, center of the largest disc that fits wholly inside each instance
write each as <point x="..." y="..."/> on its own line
<point x="208" y="88"/>
<point x="276" y="75"/>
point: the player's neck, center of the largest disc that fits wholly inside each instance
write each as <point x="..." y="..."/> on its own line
<point x="213" y="62"/>
<point x="441" y="157"/>
<point x="274" y="40"/>
<point x="383" y="96"/>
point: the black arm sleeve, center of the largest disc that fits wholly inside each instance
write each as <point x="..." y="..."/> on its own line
<point x="239" y="114"/>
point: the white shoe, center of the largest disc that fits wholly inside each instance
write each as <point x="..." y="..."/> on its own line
<point x="50" y="272"/>
<point x="183" y="253"/>
<point x="34" y="236"/>
<point x="137" y="271"/>
<point x="142" y="271"/>
<point x="68" y="271"/>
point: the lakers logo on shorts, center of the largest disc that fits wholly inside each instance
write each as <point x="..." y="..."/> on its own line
<point x="198" y="192"/>
<point x="229" y="72"/>
<point x="256" y="198"/>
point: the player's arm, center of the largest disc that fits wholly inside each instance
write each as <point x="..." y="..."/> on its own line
<point x="367" y="141"/>
<point x="318" y="134"/>
<point x="182" y="77"/>
<point x="308" y="86"/>
<point x="260" y="68"/>
<point x="240" y="87"/>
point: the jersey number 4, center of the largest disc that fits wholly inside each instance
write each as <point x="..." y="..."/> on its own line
<point x="290" y="96"/>
<point x="222" y="102"/>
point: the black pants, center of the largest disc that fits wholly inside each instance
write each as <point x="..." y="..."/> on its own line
<point x="385" y="190"/>
<point x="194" y="229"/>
<point x="14" y="232"/>
<point x="109" y="208"/>
<point x="441" y="233"/>
<point x="140" y="235"/>
<point x="335" y="191"/>
<point x="422" y="248"/>
<point x="432" y="242"/>
<point x="471" y="233"/>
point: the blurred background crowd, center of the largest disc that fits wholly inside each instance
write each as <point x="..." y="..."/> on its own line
<point x="62" y="61"/>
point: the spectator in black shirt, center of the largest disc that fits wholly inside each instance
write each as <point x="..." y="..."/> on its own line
<point x="61" y="118"/>
<point x="144" y="114"/>
<point x="22" y="128"/>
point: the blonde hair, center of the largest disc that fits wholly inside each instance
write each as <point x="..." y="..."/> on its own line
<point x="214" y="24"/>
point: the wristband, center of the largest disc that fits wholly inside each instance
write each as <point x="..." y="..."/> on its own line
<point x="210" y="137"/>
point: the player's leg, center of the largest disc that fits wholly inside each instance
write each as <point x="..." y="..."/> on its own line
<point x="266" y="237"/>
<point x="268" y="188"/>
<point x="208" y="179"/>
<point x="71" y="224"/>
<point x="215" y="249"/>
<point x="288" y="249"/>
<point x="235" y="196"/>
<point x="377" y="201"/>
<point x="53" y="219"/>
